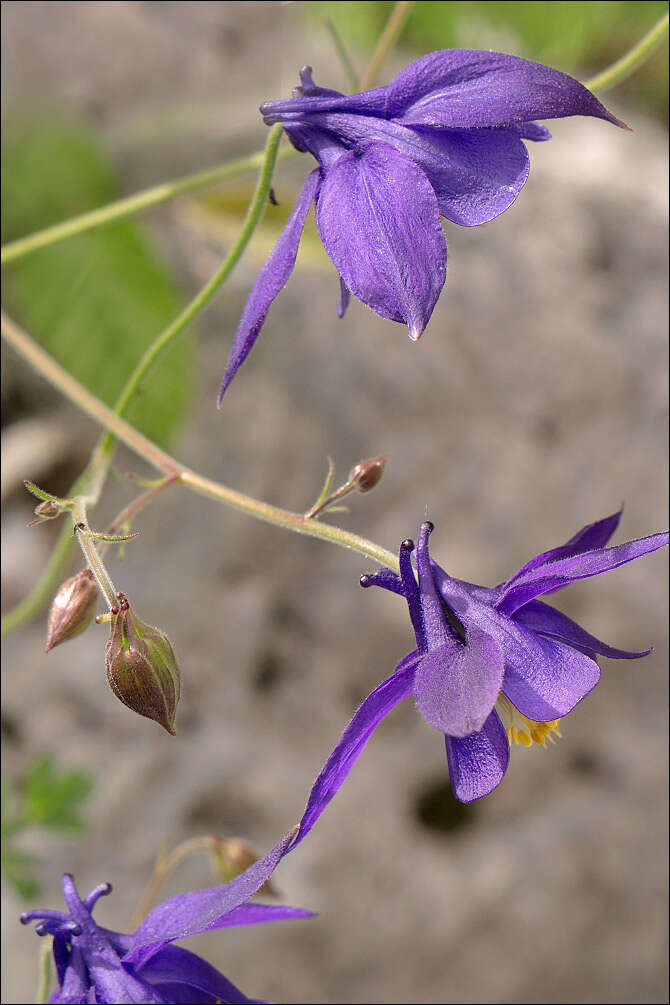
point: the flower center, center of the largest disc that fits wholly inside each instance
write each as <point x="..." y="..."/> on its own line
<point x="521" y="729"/>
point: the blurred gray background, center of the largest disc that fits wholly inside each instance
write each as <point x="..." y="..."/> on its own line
<point x="535" y="403"/>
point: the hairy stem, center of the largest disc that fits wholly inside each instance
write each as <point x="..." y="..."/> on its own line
<point x="152" y="453"/>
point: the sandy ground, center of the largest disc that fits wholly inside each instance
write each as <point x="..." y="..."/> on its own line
<point x="535" y="403"/>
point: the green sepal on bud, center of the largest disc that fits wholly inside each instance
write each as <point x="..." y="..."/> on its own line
<point x="141" y="667"/>
<point x="72" y="608"/>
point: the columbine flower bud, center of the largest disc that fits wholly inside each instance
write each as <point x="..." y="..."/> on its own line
<point x="72" y="608"/>
<point x="141" y="667"/>
<point x="366" y="474"/>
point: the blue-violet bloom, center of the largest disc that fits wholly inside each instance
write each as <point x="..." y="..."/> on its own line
<point x="491" y="666"/>
<point x="94" y="964"/>
<point x="445" y="138"/>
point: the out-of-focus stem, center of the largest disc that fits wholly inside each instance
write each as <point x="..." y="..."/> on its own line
<point x="623" y="67"/>
<point x="387" y="40"/>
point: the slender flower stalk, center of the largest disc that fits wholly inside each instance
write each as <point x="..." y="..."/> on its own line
<point x="145" y="448"/>
<point x="634" y="58"/>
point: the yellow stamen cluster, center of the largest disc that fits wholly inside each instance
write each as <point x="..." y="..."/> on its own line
<point x="522" y="730"/>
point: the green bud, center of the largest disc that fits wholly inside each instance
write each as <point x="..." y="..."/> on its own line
<point x="365" y="475"/>
<point x="72" y="608"/>
<point x="141" y="667"/>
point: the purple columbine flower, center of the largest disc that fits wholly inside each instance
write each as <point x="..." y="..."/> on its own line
<point x="492" y="666"/>
<point x="94" y="964"/>
<point x="445" y="138"/>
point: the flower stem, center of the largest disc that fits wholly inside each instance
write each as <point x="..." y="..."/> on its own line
<point x="152" y="453"/>
<point x="93" y="559"/>
<point x="202" y="298"/>
<point x="623" y="67"/>
<point x="132" y="204"/>
<point x="387" y="40"/>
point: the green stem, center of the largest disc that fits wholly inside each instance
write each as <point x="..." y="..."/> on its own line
<point x="387" y="40"/>
<point x="142" y="446"/>
<point x="623" y="67"/>
<point x="202" y="298"/>
<point x="93" y="479"/>
<point x="132" y="204"/>
<point x="93" y="559"/>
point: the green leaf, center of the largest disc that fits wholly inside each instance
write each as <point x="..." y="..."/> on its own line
<point x="95" y="301"/>
<point x="17" y="871"/>
<point x="52" y="798"/>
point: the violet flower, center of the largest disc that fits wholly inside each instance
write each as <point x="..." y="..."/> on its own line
<point x="492" y="666"/>
<point x="445" y="138"/>
<point x="96" y="964"/>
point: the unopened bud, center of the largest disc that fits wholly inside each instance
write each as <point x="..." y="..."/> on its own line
<point x="72" y="608"/>
<point x="366" y="474"/>
<point x="231" y="857"/>
<point x="141" y="667"/>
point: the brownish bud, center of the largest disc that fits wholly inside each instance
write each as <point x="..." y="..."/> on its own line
<point x="72" y="608"/>
<point x="141" y="667"/>
<point x="366" y="474"/>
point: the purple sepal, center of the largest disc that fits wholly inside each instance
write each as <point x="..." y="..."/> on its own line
<point x="271" y="281"/>
<point x="181" y="976"/>
<point x="353" y="740"/>
<point x="191" y="913"/>
<point x="546" y="620"/>
<point x="379" y="222"/>
<point x="477" y="763"/>
<point x="556" y="573"/>
<point x="471" y="88"/>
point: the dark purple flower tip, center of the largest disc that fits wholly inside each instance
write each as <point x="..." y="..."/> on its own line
<point x="407" y="544"/>
<point x="96" y="964"/>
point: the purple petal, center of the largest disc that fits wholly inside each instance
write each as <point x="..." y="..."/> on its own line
<point x="379" y="222"/>
<point x="385" y="578"/>
<point x="477" y="763"/>
<point x="476" y="174"/>
<point x="270" y="282"/>
<point x="176" y="966"/>
<point x="436" y="627"/>
<point x="539" y="617"/>
<point x="353" y="740"/>
<point x="300" y="108"/>
<point x="412" y="594"/>
<point x="457" y="685"/>
<point x="468" y="88"/>
<point x="555" y="574"/>
<point x="191" y="913"/>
